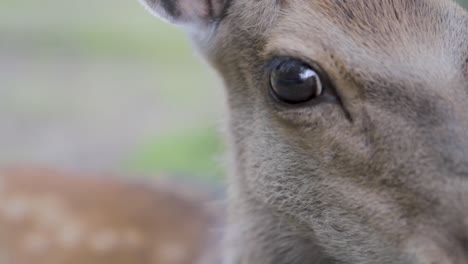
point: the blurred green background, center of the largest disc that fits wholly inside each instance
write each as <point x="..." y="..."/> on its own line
<point x="102" y="85"/>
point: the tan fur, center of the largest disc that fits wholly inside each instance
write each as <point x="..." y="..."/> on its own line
<point x="57" y="217"/>
<point x="382" y="178"/>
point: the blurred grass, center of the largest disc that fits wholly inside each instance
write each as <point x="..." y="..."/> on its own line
<point x="106" y="37"/>
<point x="195" y="152"/>
<point x="117" y="29"/>
<point x="464" y="3"/>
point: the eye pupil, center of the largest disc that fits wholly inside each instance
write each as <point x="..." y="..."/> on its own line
<point x="293" y="81"/>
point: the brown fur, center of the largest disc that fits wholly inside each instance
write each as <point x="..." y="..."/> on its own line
<point x="381" y="177"/>
<point x="57" y="217"/>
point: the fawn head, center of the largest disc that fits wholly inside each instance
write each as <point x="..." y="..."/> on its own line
<point x="348" y="118"/>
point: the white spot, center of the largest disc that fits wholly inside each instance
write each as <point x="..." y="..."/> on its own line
<point x="169" y="253"/>
<point x="35" y="243"/>
<point x="15" y="209"/>
<point x="70" y="235"/>
<point x="104" y="241"/>
<point x="49" y="211"/>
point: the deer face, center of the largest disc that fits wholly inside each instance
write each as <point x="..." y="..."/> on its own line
<point x="348" y="118"/>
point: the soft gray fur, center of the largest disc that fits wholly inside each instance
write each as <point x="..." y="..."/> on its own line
<point x="381" y="176"/>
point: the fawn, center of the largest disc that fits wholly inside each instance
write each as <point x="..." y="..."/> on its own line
<point x="348" y="126"/>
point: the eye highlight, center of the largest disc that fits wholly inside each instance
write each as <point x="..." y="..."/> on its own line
<point x="293" y="81"/>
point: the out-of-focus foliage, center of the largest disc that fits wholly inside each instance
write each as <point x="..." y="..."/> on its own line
<point x="101" y="85"/>
<point x="465" y="3"/>
<point x="195" y="152"/>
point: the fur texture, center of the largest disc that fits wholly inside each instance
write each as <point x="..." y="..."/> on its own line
<point x="381" y="176"/>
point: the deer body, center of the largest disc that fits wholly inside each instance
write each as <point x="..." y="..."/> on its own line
<point x="371" y="166"/>
<point x="54" y="217"/>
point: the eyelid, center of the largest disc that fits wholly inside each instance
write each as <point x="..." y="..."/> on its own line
<point x="274" y="60"/>
<point x="271" y="63"/>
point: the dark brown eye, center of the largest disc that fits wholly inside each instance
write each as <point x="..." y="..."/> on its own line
<point x="292" y="81"/>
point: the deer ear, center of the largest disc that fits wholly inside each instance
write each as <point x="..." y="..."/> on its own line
<point x="187" y="12"/>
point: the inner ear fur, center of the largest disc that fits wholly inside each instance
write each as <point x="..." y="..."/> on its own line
<point x="187" y="11"/>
